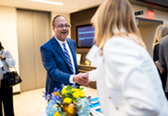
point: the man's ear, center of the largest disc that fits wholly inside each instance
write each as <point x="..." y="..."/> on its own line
<point x="53" y="28"/>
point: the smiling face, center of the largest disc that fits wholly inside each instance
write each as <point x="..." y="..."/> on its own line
<point x="60" y="28"/>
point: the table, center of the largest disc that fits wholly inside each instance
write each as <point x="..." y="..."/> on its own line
<point x="95" y="107"/>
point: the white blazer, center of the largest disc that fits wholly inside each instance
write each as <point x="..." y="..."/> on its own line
<point x="128" y="83"/>
<point x="5" y="64"/>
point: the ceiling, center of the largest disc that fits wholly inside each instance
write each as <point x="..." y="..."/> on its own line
<point x="68" y="6"/>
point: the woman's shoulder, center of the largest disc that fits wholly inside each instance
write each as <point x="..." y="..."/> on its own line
<point x="6" y="53"/>
<point x="124" y="47"/>
<point x="164" y="40"/>
<point x="124" y="43"/>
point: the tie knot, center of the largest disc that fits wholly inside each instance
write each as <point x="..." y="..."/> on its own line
<point x="63" y="44"/>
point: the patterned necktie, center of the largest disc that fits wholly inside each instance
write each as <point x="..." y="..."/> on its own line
<point x="68" y="57"/>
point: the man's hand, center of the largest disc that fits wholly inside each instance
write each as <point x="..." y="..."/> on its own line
<point x="81" y="78"/>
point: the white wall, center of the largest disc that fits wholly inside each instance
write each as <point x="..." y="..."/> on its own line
<point x="8" y="33"/>
<point x="148" y="32"/>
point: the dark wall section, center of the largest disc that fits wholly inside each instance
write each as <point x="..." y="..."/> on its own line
<point x="157" y="2"/>
<point x="81" y="18"/>
<point x="152" y="4"/>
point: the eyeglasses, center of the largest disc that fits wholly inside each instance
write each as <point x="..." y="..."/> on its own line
<point x="62" y="25"/>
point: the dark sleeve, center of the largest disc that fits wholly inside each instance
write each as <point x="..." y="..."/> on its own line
<point x="163" y="53"/>
<point x="156" y="52"/>
<point x="51" y="66"/>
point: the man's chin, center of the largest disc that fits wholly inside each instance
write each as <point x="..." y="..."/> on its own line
<point x="63" y="38"/>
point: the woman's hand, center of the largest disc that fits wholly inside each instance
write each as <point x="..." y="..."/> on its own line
<point x="1" y="57"/>
<point x="158" y="65"/>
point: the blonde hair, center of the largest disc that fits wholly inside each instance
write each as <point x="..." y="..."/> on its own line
<point x="165" y="30"/>
<point x="115" y="18"/>
<point x="161" y="31"/>
<point x="158" y="34"/>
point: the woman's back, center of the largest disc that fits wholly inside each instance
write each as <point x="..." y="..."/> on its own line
<point x="130" y="70"/>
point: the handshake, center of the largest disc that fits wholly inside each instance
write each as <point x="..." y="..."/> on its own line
<point x="81" y="78"/>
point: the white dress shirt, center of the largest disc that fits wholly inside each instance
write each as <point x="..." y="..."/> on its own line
<point x="71" y="57"/>
<point x="128" y="83"/>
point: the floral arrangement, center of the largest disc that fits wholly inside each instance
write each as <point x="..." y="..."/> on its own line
<point x="68" y="101"/>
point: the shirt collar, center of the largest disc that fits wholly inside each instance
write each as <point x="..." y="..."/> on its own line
<point x="60" y="42"/>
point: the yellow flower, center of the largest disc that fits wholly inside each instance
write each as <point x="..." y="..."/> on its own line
<point x="64" y="91"/>
<point x="57" y="114"/>
<point x="67" y="100"/>
<point x="74" y="89"/>
<point x="48" y="96"/>
<point x="82" y="94"/>
<point x="76" y="94"/>
<point x="55" y="93"/>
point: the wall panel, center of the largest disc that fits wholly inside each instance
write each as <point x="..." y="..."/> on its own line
<point x="33" y="31"/>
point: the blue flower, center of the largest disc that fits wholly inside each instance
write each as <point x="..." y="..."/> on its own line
<point x="62" y="85"/>
<point x="74" y="85"/>
<point x="57" y="99"/>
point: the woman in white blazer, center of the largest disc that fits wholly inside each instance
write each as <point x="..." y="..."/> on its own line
<point x="6" y="94"/>
<point x="128" y="83"/>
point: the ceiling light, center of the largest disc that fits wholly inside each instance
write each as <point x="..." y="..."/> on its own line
<point x="48" y="2"/>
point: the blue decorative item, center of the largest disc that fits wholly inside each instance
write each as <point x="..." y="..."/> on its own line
<point x="50" y="109"/>
<point x="83" y="107"/>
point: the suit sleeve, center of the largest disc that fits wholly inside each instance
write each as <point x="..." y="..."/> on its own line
<point x="126" y="77"/>
<point x="51" y="66"/>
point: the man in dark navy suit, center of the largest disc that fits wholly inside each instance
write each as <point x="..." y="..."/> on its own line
<point x="59" y="57"/>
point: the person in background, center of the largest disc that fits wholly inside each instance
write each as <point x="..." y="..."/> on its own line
<point x="59" y="57"/>
<point x="163" y="57"/>
<point x="128" y="82"/>
<point x="157" y="39"/>
<point x="6" y="94"/>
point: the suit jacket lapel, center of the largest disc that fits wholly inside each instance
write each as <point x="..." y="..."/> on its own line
<point x="58" y="49"/>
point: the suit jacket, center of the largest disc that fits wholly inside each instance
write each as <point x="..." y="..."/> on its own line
<point x="56" y="64"/>
<point x="128" y="83"/>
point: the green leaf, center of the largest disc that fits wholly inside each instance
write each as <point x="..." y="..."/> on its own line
<point x="64" y="114"/>
<point x="81" y="89"/>
<point x="91" y="114"/>
<point x="69" y="88"/>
